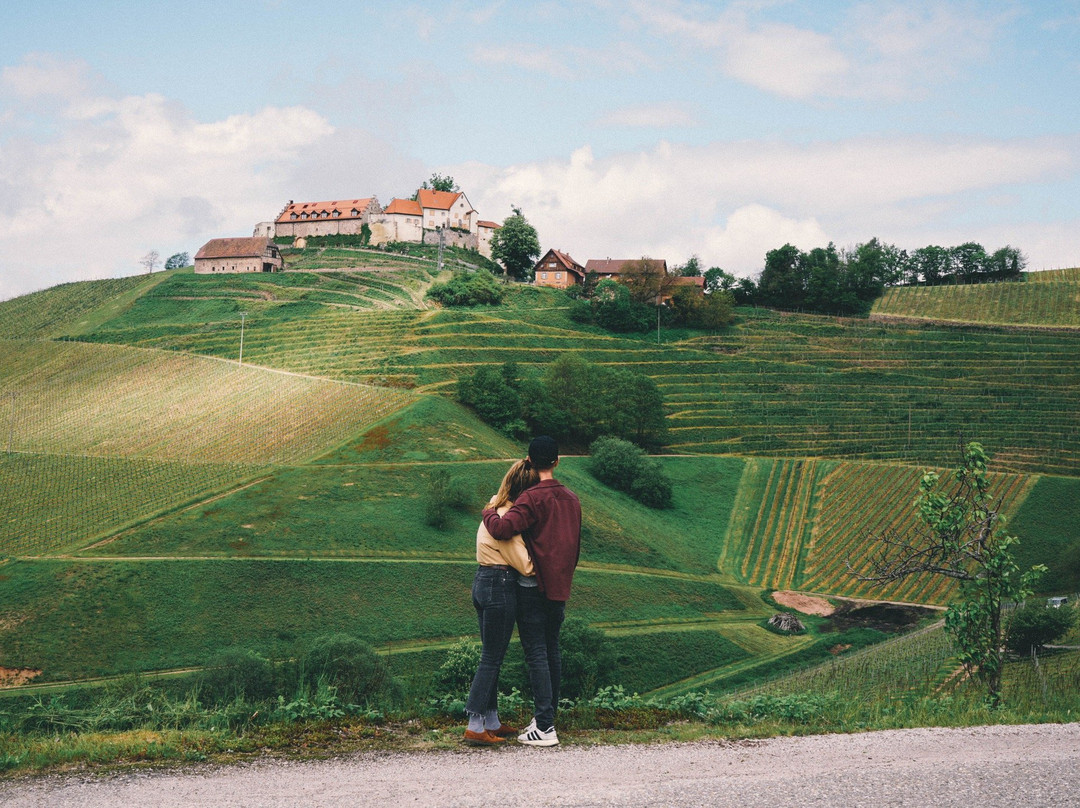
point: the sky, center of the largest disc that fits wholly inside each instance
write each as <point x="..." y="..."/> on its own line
<point x="621" y="129"/>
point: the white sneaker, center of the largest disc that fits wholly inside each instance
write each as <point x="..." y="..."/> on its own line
<point x="535" y="737"/>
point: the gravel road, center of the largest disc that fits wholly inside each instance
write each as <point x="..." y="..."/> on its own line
<point x="984" y="766"/>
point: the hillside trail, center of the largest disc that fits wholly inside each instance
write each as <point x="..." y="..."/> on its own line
<point x="992" y="767"/>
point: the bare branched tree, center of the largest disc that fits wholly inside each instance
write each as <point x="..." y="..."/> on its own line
<point x="150" y="261"/>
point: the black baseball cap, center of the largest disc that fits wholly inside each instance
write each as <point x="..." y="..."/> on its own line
<point x="543" y="451"/>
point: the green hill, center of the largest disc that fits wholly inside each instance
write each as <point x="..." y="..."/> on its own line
<point x="163" y="502"/>
<point x="772" y="385"/>
<point x="1045" y="299"/>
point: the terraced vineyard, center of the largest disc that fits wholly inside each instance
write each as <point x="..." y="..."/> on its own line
<point x="103" y="400"/>
<point x="1046" y="299"/>
<point x="793" y="386"/>
<point x="58" y="503"/>
<point x="163" y="501"/>
<point x="857" y="500"/>
<point x="798" y="524"/>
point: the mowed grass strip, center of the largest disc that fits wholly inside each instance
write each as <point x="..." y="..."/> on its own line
<point x="54" y="503"/>
<point x="76" y="619"/>
<point x="73" y="398"/>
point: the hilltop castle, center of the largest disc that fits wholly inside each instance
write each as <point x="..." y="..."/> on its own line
<point x="418" y="220"/>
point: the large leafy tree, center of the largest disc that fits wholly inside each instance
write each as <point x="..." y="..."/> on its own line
<point x="647" y="280"/>
<point x="516" y="246"/>
<point x="440" y="183"/>
<point x="782" y="283"/>
<point x="178" y="260"/>
<point x="961" y="536"/>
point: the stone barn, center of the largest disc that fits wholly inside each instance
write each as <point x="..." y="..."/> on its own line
<point x="239" y="255"/>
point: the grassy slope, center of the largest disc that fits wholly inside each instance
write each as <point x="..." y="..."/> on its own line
<point x="1047" y="524"/>
<point x="642" y="567"/>
<point x="70" y="308"/>
<point x="797" y="386"/>
<point x="1045" y="299"/>
<point x="74" y="398"/>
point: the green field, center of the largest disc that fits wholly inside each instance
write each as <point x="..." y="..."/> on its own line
<point x="104" y="400"/>
<point x="1045" y="299"/>
<point x="164" y="502"/>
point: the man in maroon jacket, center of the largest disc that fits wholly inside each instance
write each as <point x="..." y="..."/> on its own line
<point x="548" y="516"/>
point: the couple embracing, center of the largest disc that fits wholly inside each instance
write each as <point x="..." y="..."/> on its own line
<point x="527" y="547"/>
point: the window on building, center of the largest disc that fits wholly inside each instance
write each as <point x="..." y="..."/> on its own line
<point x="558" y="276"/>
<point x="543" y="276"/>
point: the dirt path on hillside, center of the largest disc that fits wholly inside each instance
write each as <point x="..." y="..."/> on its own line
<point x="991" y="767"/>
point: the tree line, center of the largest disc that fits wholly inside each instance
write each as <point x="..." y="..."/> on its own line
<point x="829" y="280"/>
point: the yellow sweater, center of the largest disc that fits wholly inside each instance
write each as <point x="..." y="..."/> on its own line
<point x="491" y="551"/>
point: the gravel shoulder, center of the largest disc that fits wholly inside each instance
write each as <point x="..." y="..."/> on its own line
<point x="1031" y="765"/>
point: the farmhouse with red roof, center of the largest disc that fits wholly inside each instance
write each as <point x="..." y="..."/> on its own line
<point x="558" y="269"/>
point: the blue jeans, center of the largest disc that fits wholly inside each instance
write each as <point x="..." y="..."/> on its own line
<point x="494" y="593"/>
<point x="539" y="621"/>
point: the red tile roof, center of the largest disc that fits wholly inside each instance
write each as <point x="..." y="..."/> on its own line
<point x="409" y="207"/>
<point x="233" y="248"/>
<point x="689" y="281"/>
<point x="437" y="200"/>
<point x="491" y="225"/>
<point x="314" y="210"/>
<point x="563" y="259"/>
<point x="614" y="266"/>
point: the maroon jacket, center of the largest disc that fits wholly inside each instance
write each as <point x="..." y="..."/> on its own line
<point x="548" y="516"/>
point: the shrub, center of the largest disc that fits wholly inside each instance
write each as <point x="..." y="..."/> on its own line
<point x="468" y="289"/>
<point x="492" y="394"/>
<point x="1035" y="625"/>
<point x="622" y="465"/>
<point x="455" y="675"/>
<point x="445" y="494"/>
<point x="588" y="660"/>
<point x="238" y="674"/>
<point x="574" y="401"/>
<point x="351" y="667"/>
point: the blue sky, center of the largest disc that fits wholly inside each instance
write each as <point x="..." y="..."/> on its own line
<point x="622" y="129"/>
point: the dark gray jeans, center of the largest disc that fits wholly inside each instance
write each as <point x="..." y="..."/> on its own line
<point x="539" y="621"/>
<point x="494" y="593"/>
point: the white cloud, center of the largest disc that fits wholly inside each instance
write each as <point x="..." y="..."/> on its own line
<point x="888" y="50"/>
<point x="119" y="176"/>
<point x="730" y="202"/>
<point x="649" y="116"/>
<point x="533" y="58"/>
<point x="42" y="74"/>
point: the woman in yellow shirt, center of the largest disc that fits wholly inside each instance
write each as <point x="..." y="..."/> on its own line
<point x="494" y="594"/>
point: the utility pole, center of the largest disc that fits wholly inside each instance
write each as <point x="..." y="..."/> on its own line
<point x="442" y="239"/>
<point x="658" y="319"/>
<point x="243" y="314"/>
